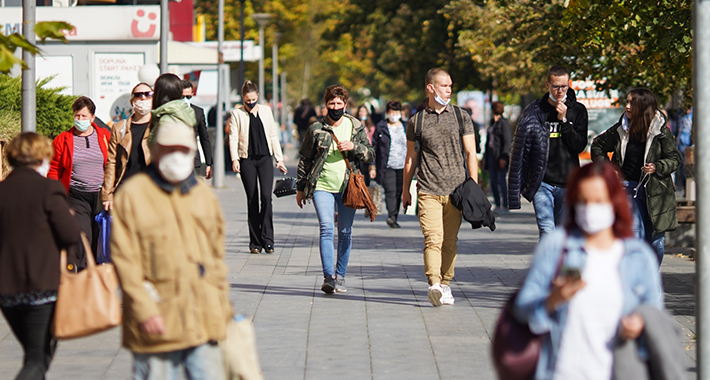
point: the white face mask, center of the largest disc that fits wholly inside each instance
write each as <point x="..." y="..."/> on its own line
<point x="394" y="118"/>
<point x="175" y="167"/>
<point x="557" y="101"/>
<point x="594" y="217"/>
<point x="440" y="100"/>
<point x="44" y="168"/>
<point x="188" y="101"/>
<point x="82" y="125"/>
<point x="142" y="107"/>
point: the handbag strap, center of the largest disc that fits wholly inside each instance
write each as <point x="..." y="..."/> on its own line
<point x="345" y="155"/>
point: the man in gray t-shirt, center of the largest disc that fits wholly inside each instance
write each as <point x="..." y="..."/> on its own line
<point x="441" y="170"/>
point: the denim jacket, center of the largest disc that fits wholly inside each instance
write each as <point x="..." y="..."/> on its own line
<point x="314" y="151"/>
<point x="640" y="281"/>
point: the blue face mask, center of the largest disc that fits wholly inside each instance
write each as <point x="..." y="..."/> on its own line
<point x="440" y="100"/>
<point x="82" y="125"/>
<point x="556" y="101"/>
<point x="187" y="100"/>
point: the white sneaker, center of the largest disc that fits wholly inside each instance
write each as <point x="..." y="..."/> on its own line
<point x="435" y="294"/>
<point x="447" y="298"/>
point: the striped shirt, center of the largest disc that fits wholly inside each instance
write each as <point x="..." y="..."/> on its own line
<point x="87" y="172"/>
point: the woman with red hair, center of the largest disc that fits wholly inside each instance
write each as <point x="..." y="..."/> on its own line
<point x="586" y="280"/>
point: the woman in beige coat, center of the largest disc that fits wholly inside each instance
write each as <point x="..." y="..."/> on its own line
<point x="254" y="143"/>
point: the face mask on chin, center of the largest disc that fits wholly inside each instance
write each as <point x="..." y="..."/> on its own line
<point x="176" y="166"/>
<point x="558" y="101"/>
<point x="594" y="217"/>
<point x="440" y="100"/>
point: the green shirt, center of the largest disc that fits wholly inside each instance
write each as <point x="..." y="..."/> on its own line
<point x="332" y="176"/>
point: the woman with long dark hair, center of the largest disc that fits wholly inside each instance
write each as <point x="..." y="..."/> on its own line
<point x="587" y="280"/>
<point x="646" y="153"/>
<point x="254" y="145"/>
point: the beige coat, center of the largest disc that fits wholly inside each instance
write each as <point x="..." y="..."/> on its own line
<point x="168" y="249"/>
<point x="119" y="150"/>
<point x="239" y="133"/>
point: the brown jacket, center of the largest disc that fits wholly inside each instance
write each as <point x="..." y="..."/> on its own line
<point x="119" y="151"/>
<point x="34" y="224"/>
<point x="168" y="249"/>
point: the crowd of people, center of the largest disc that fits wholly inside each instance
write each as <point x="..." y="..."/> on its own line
<point x="594" y="274"/>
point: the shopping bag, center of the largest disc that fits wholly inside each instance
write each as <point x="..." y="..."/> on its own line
<point x="241" y="359"/>
<point x="104" y="220"/>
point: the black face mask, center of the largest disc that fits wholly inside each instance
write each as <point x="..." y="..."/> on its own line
<point x="250" y="105"/>
<point x="334" y="114"/>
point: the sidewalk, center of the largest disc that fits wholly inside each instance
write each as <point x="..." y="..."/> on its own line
<point x="384" y="326"/>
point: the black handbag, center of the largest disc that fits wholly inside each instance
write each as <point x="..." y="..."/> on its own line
<point x="285" y="186"/>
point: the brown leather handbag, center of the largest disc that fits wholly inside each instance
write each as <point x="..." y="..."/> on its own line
<point x="87" y="302"/>
<point x="356" y="195"/>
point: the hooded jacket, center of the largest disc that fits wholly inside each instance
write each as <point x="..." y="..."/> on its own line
<point x="531" y="146"/>
<point x="176" y="111"/>
<point x="661" y="151"/>
<point x="314" y="151"/>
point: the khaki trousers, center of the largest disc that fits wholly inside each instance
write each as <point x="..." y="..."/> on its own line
<point x="440" y="221"/>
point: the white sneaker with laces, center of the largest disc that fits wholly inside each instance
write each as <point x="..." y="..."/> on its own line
<point x="435" y="294"/>
<point x="447" y="298"/>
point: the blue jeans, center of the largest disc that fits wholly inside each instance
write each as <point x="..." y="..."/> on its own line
<point x="498" y="183"/>
<point x="325" y="204"/>
<point x="642" y="225"/>
<point x="549" y="202"/>
<point x="201" y="363"/>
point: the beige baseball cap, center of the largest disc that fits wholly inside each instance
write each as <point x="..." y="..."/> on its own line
<point x="175" y="134"/>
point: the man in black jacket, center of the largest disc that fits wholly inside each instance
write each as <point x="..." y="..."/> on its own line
<point x="551" y="133"/>
<point x="200" y="129"/>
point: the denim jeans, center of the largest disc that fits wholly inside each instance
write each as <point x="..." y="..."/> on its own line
<point x="549" y="202"/>
<point x="201" y="363"/>
<point x="325" y="204"/>
<point x="498" y="182"/>
<point x="642" y="225"/>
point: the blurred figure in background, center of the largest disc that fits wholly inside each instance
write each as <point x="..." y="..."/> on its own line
<point x="646" y="152"/>
<point x="200" y="128"/>
<point x="302" y="117"/>
<point x="390" y="145"/>
<point x="80" y="156"/>
<point x="35" y="224"/>
<point x="128" y="151"/>
<point x="496" y="156"/>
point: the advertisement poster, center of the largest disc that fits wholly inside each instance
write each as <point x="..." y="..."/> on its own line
<point x="604" y="109"/>
<point x="115" y="74"/>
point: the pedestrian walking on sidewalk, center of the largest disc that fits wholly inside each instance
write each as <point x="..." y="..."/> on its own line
<point x="551" y="134"/>
<point x="587" y="279"/>
<point x="446" y="131"/>
<point x="647" y="154"/>
<point x="323" y="177"/>
<point x="80" y="156"/>
<point x="254" y="145"/>
<point x="390" y="145"/>
<point x="167" y="243"/>
<point x="128" y="151"/>
<point x="35" y="223"/>
<point x="497" y="156"/>
<point x="200" y="127"/>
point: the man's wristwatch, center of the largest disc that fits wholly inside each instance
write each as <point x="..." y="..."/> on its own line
<point x="564" y="119"/>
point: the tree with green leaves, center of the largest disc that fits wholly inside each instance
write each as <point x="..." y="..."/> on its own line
<point x="44" y="30"/>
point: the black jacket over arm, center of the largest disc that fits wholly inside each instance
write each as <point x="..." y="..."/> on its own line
<point x="201" y="130"/>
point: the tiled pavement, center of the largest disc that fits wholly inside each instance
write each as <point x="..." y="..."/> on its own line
<point x="384" y="326"/>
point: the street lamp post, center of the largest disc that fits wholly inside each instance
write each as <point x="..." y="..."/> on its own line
<point x="241" y="44"/>
<point x="218" y="169"/>
<point x="275" y="75"/>
<point x="28" y="110"/>
<point x="261" y="20"/>
<point x="164" y="32"/>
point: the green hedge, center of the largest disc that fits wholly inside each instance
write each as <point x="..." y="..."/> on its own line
<point x="54" y="113"/>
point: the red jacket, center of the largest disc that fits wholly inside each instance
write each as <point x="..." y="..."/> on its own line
<point x="62" y="162"/>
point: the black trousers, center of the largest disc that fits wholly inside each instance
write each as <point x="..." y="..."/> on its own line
<point x="32" y="328"/>
<point x="393" y="191"/>
<point x="86" y="206"/>
<point x="261" y="220"/>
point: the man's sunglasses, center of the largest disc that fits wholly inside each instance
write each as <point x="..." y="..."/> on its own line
<point x="144" y="94"/>
<point x="187" y="96"/>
